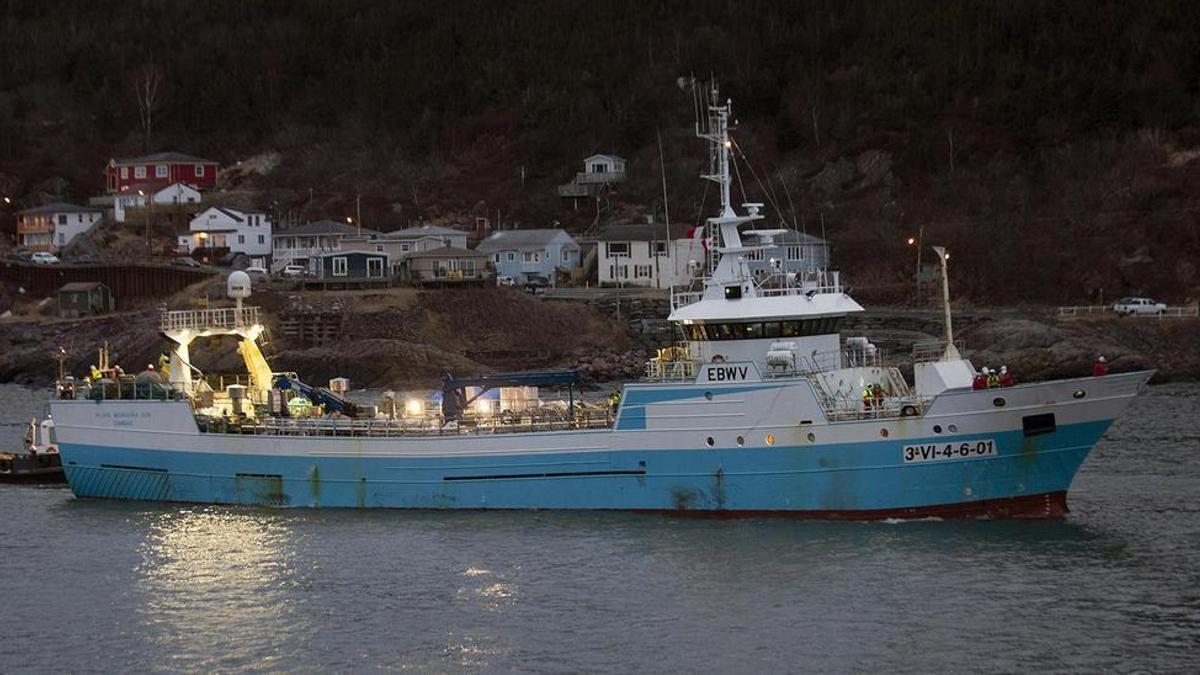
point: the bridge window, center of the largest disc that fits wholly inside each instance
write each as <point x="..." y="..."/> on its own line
<point x="755" y="330"/>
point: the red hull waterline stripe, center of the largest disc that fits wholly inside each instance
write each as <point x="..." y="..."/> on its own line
<point x="1046" y="505"/>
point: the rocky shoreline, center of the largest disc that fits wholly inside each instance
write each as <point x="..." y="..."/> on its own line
<point x="607" y="339"/>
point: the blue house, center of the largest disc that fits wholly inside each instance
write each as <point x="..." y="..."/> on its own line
<point x="350" y="266"/>
<point x="520" y="254"/>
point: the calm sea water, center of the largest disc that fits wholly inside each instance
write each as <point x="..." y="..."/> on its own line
<point x="103" y="587"/>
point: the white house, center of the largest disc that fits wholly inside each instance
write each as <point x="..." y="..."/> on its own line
<point x="217" y="227"/>
<point x="646" y="254"/>
<point x="53" y="226"/>
<point x="139" y="195"/>
<point x="296" y="245"/>
<point x="598" y="171"/>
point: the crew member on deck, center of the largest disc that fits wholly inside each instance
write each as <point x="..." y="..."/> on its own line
<point x="1006" y="378"/>
<point x="993" y="379"/>
<point x="1100" y="367"/>
<point x="980" y="380"/>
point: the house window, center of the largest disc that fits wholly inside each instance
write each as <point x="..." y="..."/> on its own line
<point x="511" y="256"/>
<point x="160" y="171"/>
<point x="794" y="253"/>
<point x="659" y="248"/>
<point x="62" y="238"/>
<point x="531" y="256"/>
<point x="618" y="248"/>
<point x="241" y="238"/>
<point x="497" y="257"/>
<point x="199" y="170"/>
<point x="379" y="247"/>
<point x="262" y="239"/>
<point x="339" y="267"/>
<point x="124" y="173"/>
<point x="599" y="167"/>
<point x="404" y="248"/>
<point x="641" y="271"/>
<point x="62" y="219"/>
<point x="566" y="255"/>
<point x="139" y="172"/>
<point x="374" y="267"/>
<point x="756" y="254"/>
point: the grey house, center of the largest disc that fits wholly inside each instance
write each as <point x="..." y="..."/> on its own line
<point x="520" y="254"/>
<point x="792" y="251"/>
<point x="349" y="266"/>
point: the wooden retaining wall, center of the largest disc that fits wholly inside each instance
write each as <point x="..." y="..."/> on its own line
<point x="140" y="280"/>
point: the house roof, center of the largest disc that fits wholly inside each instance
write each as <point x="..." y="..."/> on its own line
<point x="76" y="286"/>
<point x="162" y="158"/>
<point x="60" y="207"/>
<point x="317" y="227"/>
<point x="521" y="239"/>
<point x="448" y="252"/>
<point x="370" y="254"/>
<point x="642" y="232"/>
<point x="236" y="214"/>
<point x="423" y="231"/>
<point x="614" y="158"/>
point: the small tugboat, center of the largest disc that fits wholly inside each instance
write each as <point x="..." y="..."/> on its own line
<point x="40" y="463"/>
<point x="764" y="409"/>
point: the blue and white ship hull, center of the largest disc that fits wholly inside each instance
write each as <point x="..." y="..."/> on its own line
<point x="761" y="447"/>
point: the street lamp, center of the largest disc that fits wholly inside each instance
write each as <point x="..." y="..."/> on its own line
<point x="916" y="241"/>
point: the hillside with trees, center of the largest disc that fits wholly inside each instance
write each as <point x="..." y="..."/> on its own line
<point x="1050" y="146"/>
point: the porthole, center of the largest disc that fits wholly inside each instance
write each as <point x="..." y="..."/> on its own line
<point x="937" y="428"/>
<point x="1079" y="393"/>
<point x="999" y="401"/>
<point x="812" y="438"/>
<point x="708" y="396"/>
<point x="953" y="428"/>
<point x="710" y="441"/>
<point x="883" y="432"/>
<point x="770" y="439"/>
<point x="741" y="441"/>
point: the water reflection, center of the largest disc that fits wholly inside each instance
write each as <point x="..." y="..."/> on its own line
<point x="219" y="587"/>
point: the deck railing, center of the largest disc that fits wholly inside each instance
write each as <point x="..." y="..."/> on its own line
<point x="685" y="298"/>
<point x="924" y="352"/>
<point x="202" y="319"/>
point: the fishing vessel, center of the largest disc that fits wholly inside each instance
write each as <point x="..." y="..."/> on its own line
<point x="765" y="408"/>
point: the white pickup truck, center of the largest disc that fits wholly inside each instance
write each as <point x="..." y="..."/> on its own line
<point x="1138" y="306"/>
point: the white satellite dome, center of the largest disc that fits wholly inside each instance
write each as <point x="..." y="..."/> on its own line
<point x="238" y="285"/>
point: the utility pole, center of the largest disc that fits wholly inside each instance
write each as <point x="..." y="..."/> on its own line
<point x="666" y="215"/>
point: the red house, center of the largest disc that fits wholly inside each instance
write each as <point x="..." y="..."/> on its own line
<point x="159" y="170"/>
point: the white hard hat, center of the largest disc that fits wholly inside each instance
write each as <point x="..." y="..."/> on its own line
<point x="1004" y="369"/>
<point x="1102" y="359"/>
<point x="985" y="370"/>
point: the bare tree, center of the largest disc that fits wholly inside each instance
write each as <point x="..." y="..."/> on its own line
<point x="147" y="87"/>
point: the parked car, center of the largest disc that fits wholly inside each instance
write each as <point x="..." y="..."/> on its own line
<point x="184" y="261"/>
<point x="42" y="258"/>
<point x="256" y="271"/>
<point x="533" y="282"/>
<point x="1142" y="306"/>
<point x="292" y="271"/>
<point x="506" y="281"/>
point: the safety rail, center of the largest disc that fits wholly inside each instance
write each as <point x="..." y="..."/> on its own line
<point x="208" y="319"/>
<point x="924" y="352"/>
<point x="685" y="298"/>
<point x="1103" y="310"/>
<point x="277" y="426"/>
<point x="671" y="371"/>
